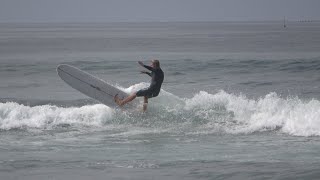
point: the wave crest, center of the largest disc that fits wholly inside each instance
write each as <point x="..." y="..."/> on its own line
<point x="204" y="113"/>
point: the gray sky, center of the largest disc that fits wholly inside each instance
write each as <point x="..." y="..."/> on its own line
<point x="156" y="10"/>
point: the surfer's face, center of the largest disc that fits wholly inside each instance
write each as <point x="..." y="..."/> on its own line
<point x="155" y="64"/>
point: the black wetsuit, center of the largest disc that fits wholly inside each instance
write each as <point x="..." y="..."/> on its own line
<point x="153" y="90"/>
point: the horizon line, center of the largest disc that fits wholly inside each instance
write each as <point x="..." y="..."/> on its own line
<point x="101" y="22"/>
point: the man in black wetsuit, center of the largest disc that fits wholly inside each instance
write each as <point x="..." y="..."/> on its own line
<point x="153" y="90"/>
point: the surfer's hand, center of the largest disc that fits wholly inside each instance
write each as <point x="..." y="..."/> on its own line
<point x="143" y="72"/>
<point x="141" y="63"/>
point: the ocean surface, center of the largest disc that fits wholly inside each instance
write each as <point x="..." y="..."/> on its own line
<point x="240" y="100"/>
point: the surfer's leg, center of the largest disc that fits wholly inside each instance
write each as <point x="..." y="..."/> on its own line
<point x="124" y="101"/>
<point x="145" y="103"/>
<point x="128" y="99"/>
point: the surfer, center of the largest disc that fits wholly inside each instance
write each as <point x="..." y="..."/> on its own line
<point x="153" y="90"/>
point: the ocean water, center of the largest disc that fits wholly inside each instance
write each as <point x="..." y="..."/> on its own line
<point x="240" y="100"/>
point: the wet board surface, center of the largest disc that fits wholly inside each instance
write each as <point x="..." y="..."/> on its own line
<point x="91" y="86"/>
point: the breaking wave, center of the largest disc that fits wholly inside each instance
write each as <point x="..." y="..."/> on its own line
<point x="204" y="113"/>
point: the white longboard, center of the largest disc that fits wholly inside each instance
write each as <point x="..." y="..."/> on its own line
<point x="90" y="85"/>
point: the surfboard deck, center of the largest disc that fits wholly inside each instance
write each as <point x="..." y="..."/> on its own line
<point x="91" y="86"/>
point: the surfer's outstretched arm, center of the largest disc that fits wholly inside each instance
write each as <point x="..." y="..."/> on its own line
<point x="148" y="67"/>
<point x="145" y="66"/>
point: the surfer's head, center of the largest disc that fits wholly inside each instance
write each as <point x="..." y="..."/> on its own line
<point x="155" y="63"/>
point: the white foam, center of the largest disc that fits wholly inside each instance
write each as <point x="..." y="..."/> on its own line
<point x="202" y="114"/>
<point x="133" y="88"/>
<point x="291" y="115"/>
<point x="13" y="115"/>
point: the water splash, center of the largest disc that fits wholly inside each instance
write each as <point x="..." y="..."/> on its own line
<point x="204" y="113"/>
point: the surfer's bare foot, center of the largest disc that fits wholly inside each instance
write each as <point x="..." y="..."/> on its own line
<point x="117" y="100"/>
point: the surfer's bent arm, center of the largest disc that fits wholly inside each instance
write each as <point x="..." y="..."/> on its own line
<point x="145" y="72"/>
<point x="148" y="73"/>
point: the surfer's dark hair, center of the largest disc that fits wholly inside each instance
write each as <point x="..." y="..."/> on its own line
<point x="156" y="63"/>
